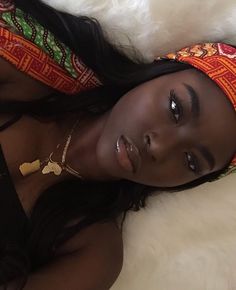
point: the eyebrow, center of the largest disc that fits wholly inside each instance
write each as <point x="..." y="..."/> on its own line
<point x="195" y="109"/>
<point x="207" y="155"/>
<point x="195" y="104"/>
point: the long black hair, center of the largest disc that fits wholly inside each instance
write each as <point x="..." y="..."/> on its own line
<point x="72" y="199"/>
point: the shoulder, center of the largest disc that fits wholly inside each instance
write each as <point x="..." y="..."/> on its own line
<point x="106" y="233"/>
<point x="11" y="79"/>
<point x="91" y="260"/>
<point x="101" y="246"/>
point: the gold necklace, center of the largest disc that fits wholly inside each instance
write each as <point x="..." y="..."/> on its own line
<point x="55" y="167"/>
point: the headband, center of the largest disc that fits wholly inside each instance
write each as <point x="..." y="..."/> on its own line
<point x="218" y="62"/>
<point x="34" y="50"/>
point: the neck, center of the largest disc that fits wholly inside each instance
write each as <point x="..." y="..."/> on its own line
<point x="81" y="154"/>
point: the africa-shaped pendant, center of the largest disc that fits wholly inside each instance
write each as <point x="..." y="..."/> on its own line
<point x="52" y="167"/>
<point x="28" y="168"/>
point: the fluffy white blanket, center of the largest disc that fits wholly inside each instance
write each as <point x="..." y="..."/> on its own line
<point x="155" y="27"/>
<point x="186" y="240"/>
<point x="183" y="241"/>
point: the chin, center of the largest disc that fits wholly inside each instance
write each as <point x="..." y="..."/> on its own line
<point x="106" y="157"/>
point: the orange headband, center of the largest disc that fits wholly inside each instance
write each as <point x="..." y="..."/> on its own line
<point x="218" y="61"/>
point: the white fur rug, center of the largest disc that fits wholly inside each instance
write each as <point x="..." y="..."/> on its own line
<point x="155" y="27"/>
<point x="183" y="241"/>
<point x="186" y="240"/>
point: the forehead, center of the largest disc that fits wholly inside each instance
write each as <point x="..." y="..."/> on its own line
<point x="208" y="91"/>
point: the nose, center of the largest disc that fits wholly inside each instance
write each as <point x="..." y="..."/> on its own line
<point x="161" y="146"/>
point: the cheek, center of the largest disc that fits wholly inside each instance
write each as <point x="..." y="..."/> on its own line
<point x="131" y="117"/>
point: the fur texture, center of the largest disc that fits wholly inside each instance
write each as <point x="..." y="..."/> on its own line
<point x="183" y="241"/>
<point x="156" y="27"/>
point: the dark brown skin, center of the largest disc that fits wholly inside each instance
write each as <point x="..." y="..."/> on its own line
<point x="145" y="112"/>
<point x="90" y="260"/>
<point x="141" y="113"/>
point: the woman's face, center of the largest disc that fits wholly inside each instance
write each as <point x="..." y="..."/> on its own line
<point x="169" y="131"/>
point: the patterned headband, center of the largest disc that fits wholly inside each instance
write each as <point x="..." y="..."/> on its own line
<point x="34" y="50"/>
<point x="217" y="61"/>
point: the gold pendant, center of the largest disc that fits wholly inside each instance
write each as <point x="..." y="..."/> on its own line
<point x="29" y="167"/>
<point x="52" y="167"/>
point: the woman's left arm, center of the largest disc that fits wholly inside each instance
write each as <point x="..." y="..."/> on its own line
<point x="91" y="260"/>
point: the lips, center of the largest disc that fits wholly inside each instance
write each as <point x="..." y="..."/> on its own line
<point x="128" y="154"/>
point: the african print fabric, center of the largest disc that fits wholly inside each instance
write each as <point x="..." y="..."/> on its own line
<point x="36" y="51"/>
<point x="218" y="61"/>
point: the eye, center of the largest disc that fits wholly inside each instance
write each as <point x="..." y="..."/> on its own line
<point x="175" y="107"/>
<point x="192" y="162"/>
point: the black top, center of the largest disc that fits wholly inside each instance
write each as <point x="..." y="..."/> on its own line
<point x="13" y="219"/>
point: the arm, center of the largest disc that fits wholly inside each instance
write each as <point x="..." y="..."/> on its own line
<point x="91" y="260"/>
<point x="16" y="85"/>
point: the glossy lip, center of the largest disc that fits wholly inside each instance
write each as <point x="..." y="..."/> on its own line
<point x="128" y="154"/>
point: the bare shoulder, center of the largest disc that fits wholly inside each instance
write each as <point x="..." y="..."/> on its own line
<point x="100" y="247"/>
<point x="103" y="233"/>
<point x="105" y="238"/>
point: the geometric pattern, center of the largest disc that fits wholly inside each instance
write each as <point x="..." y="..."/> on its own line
<point x="34" y="50"/>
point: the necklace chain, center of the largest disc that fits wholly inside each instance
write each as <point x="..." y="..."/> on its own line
<point x="51" y="165"/>
<point x="63" y="164"/>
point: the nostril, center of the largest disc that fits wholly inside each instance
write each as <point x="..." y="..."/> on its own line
<point x="147" y="140"/>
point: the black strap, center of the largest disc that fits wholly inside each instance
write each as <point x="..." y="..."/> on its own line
<point x="14" y="222"/>
<point x="10" y="122"/>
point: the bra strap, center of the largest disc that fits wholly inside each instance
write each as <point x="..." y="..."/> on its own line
<point x="14" y="223"/>
<point x="10" y="122"/>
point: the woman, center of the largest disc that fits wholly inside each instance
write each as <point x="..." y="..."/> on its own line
<point x="79" y="160"/>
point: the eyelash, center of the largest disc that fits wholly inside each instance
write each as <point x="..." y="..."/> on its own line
<point x="192" y="162"/>
<point x="175" y="107"/>
<point x="177" y="113"/>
